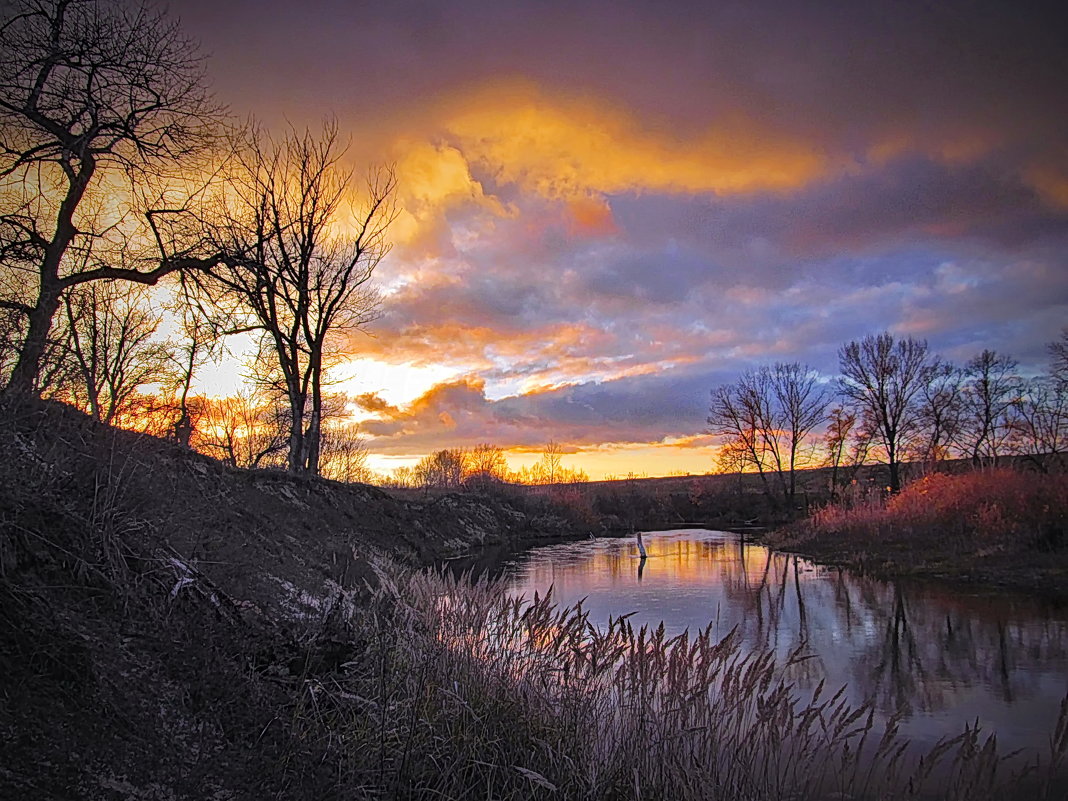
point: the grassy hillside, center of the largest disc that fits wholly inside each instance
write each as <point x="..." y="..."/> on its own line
<point x="160" y="613"/>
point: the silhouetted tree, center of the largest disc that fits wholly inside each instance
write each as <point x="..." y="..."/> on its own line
<point x="1040" y="414"/>
<point x="1058" y="351"/>
<point x="485" y="464"/>
<point x="550" y="462"/>
<point x="91" y="94"/>
<point x="300" y="250"/>
<point x="737" y="413"/>
<point x="990" y="390"/>
<point x="443" y="469"/>
<point x="549" y="469"/>
<point x="401" y="478"/>
<point x="767" y="416"/>
<point x="940" y="411"/>
<point x="198" y="341"/>
<point x="1039" y="427"/>
<point x="881" y="378"/>
<point x="344" y="453"/>
<point x="840" y="425"/>
<point x="246" y="430"/>
<point x="801" y="403"/>
<point x="112" y="348"/>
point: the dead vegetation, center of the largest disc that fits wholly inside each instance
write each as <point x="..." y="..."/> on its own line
<point x="173" y="629"/>
<point x="995" y="526"/>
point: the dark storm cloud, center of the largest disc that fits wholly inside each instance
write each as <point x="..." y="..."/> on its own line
<point x="841" y="69"/>
<point x="873" y="209"/>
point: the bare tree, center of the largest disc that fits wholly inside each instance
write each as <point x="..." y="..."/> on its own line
<point x="344" y="454"/>
<point x="731" y="457"/>
<point x="10" y="338"/>
<point x="443" y="469"/>
<point x="1040" y="421"/>
<point x="767" y="416"/>
<point x="737" y="413"/>
<point x="299" y="249"/>
<point x="1058" y="351"/>
<point x="940" y="411"/>
<point x="550" y="462"/>
<point x="401" y="478"/>
<point x="550" y="469"/>
<point x="990" y="391"/>
<point x="801" y="401"/>
<point x="247" y="430"/>
<point x="199" y="340"/>
<point x="92" y="94"/>
<point x="881" y="378"/>
<point x="153" y="412"/>
<point x="485" y="464"/>
<point x="112" y="347"/>
<point x="840" y="425"/>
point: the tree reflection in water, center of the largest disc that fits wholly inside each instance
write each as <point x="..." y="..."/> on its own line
<point x="937" y="657"/>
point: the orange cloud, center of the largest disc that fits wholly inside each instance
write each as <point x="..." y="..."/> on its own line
<point x="1051" y="184"/>
<point x="371" y="402"/>
<point x="436" y="412"/>
<point x="590" y="217"/>
<point x="568" y="147"/>
<point x="430" y="179"/>
<point x="457" y="413"/>
<point x="546" y="357"/>
<point x="954" y="147"/>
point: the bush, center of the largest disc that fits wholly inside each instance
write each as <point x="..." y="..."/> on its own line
<point x="996" y="509"/>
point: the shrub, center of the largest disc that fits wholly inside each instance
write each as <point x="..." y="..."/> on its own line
<point x="997" y="509"/>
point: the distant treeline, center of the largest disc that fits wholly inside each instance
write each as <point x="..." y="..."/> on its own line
<point x="895" y="401"/>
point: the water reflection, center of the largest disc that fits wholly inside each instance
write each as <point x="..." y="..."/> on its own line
<point x="938" y="657"/>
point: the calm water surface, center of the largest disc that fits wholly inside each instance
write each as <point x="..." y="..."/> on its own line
<point x="940" y="657"/>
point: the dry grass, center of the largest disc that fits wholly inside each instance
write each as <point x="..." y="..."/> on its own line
<point x="115" y="685"/>
<point x="987" y="510"/>
<point x="466" y="692"/>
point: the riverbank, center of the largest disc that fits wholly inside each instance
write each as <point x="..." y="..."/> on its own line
<point x="171" y="629"/>
<point x="165" y="619"/>
<point x="990" y="530"/>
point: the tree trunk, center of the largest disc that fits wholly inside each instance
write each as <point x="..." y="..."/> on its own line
<point x="895" y="476"/>
<point x="312" y="443"/>
<point x="793" y="474"/>
<point x="23" y="380"/>
<point x="313" y="435"/>
<point x="296" y="432"/>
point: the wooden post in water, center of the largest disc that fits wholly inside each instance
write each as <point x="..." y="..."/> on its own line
<point x="644" y="555"/>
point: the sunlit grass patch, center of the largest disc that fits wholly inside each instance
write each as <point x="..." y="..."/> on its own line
<point x="989" y="510"/>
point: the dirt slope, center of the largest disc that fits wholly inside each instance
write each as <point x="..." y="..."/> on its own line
<point x="160" y="613"/>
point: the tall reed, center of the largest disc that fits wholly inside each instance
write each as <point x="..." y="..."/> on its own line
<point x="462" y="691"/>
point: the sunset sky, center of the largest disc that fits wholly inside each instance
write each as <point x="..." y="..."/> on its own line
<point x="608" y="208"/>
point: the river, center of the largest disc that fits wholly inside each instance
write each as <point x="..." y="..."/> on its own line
<point x="939" y="657"/>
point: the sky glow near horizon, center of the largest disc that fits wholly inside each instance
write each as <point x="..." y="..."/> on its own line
<point x="608" y="209"/>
